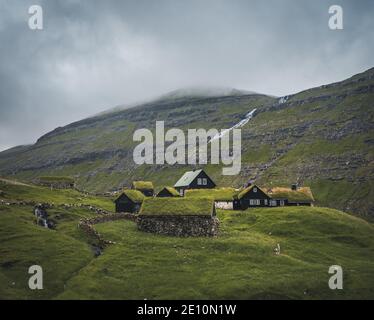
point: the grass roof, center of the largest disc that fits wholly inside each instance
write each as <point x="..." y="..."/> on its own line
<point x="142" y="185"/>
<point x="217" y="194"/>
<point x="172" y="191"/>
<point x="302" y="194"/>
<point x="243" y="192"/>
<point x="134" y="195"/>
<point x="177" y="206"/>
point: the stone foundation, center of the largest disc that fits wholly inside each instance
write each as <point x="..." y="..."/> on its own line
<point x="180" y="226"/>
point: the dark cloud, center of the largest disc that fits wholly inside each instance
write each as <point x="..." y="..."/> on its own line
<point x="93" y="55"/>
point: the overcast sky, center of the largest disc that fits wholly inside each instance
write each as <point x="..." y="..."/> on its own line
<point x="94" y="55"/>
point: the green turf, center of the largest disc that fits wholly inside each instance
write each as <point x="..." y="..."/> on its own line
<point x="134" y="195"/>
<point x="303" y="194"/>
<point x="14" y="192"/>
<point x="239" y="263"/>
<point x="61" y="252"/>
<point x="218" y="194"/>
<point x="177" y="206"/>
<point x="142" y="185"/>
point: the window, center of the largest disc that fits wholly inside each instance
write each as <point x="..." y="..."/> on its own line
<point x="266" y="202"/>
<point x="199" y="183"/>
<point x="254" y="202"/>
<point x="205" y="181"/>
<point x="281" y="203"/>
<point x="273" y="203"/>
<point x="181" y="192"/>
<point x="254" y="189"/>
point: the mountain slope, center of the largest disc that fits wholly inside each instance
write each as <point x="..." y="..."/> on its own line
<point x="322" y="137"/>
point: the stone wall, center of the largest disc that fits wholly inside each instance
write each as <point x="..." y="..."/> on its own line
<point x="54" y="184"/>
<point x="86" y="225"/>
<point x="180" y="226"/>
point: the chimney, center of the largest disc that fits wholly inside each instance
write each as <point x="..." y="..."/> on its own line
<point x="248" y="184"/>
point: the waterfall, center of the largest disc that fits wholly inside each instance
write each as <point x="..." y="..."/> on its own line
<point x="240" y="124"/>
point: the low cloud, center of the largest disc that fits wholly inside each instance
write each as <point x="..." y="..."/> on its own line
<point x="94" y="55"/>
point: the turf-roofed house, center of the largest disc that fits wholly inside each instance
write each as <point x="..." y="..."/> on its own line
<point x="145" y="187"/>
<point x="168" y="192"/>
<point x="294" y="196"/>
<point x="195" y="179"/>
<point x="252" y="196"/>
<point x="129" y="201"/>
<point x="181" y="217"/>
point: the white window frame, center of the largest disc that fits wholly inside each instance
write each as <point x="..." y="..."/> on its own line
<point x="205" y="181"/>
<point x="281" y="203"/>
<point x="254" y="189"/>
<point x="254" y="202"/>
<point x="199" y="182"/>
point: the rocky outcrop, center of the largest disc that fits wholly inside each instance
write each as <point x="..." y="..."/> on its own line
<point x="41" y="215"/>
<point x="180" y="226"/>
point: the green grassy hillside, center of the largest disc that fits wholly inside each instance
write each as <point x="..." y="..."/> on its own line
<point x="239" y="263"/>
<point x="322" y="137"/>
